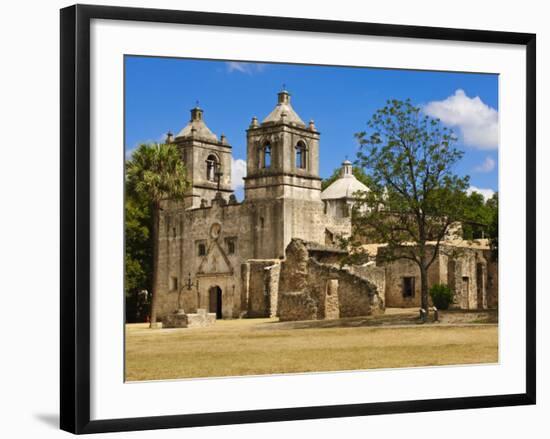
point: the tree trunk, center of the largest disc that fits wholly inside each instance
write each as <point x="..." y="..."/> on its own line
<point x="156" y="220"/>
<point x="424" y="287"/>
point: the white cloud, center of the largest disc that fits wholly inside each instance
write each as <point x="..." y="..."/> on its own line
<point x="487" y="193"/>
<point x="245" y="67"/>
<point x="476" y="121"/>
<point x="238" y="171"/>
<point x="487" y="166"/>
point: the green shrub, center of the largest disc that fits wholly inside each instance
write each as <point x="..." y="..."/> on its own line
<point x="442" y="296"/>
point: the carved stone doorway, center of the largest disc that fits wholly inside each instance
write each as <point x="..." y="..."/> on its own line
<point x="215" y="301"/>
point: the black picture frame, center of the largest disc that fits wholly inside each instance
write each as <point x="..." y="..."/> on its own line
<point x="75" y="217"/>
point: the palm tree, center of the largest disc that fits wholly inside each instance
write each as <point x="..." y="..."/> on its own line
<point x="156" y="173"/>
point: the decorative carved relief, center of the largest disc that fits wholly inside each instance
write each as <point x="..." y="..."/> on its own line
<point x="215" y="261"/>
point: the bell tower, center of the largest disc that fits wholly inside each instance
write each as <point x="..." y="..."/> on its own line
<point x="282" y="185"/>
<point x="207" y="160"/>
<point x="282" y="155"/>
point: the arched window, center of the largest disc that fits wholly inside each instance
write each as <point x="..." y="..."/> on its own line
<point x="301" y="153"/>
<point x="267" y="156"/>
<point x="211" y="165"/>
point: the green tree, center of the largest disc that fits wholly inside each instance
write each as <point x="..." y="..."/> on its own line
<point x="478" y="216"/>
<point x="138" y="256"/>
<point x="154" y="174"/>
<point x="357" y="172"/>
<point x="492" y="230"/>
<point x="414" y="195"/>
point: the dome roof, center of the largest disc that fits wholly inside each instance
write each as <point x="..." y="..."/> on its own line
<point x="284" y="108"/>
<point x="197" y="128"/>
<point x="345" y="186"/>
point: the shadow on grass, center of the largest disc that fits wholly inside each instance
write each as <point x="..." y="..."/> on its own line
<point x="447" y="318"/>
<point x="350" y="322"/>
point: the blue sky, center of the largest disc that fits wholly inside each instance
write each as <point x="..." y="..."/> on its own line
<point x="160" y="92"/>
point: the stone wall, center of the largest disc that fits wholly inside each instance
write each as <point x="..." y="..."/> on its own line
<point x="374" y="274"/>
<point x="297" y="306"/>
<point x="492" y="279"/>
<point x="356" y="296"/>
<point x="463" y="269"/>
<point x="262" y="287"/>
<point x="294" y="269"/>
<point x="338" y="226"/>
<point x="332" y="299"/>
<point x="259" y="229"/>
<point x="181" y="232"/>
<point x="396" y="271"/>
<point x="335" y="292"/>
<point x="467" y="277"/>
<point x="304" y="219"/>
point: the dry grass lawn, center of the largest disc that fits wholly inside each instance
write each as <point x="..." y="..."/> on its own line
<point x="260" y="346"/>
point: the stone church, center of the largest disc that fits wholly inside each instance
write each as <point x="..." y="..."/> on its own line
<point x="272" y="254"/>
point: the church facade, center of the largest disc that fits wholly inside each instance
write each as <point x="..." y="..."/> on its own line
<point x="273" y="254"/>
<point x="206" y="240"/>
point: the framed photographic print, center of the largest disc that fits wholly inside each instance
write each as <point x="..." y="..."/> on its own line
<point x="272" y="218"/>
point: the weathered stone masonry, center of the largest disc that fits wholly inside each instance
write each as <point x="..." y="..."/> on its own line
<point x="222" y="255"/>
<point x="335" y="292"/>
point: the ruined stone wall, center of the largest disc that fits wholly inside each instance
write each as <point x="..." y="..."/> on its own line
<point x="332" y="299"/>
<point x="467" y="277"/>
<point x="356" y="296"/>
<point x="294" y="269"/>
<point x="375" y="275"/>
<point x="335" y="292"/>
<point x="262" y="287"/>
<point x="297" y="306"/>
<point x="492" y="280"/>
<point x="327" y="255"/>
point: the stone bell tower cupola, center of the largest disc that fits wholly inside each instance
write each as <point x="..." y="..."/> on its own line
<point x="284" y="97"/>
<point x="207" y="160"/>
<point x="282" y="186"/>
<point x="196" y="114"/>
<point x="282" y="153"/>
<point x="347" y="169"/>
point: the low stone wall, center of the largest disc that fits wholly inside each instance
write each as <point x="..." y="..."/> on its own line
<point x="296" y="306"/>
<point x="200" y="319"/>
